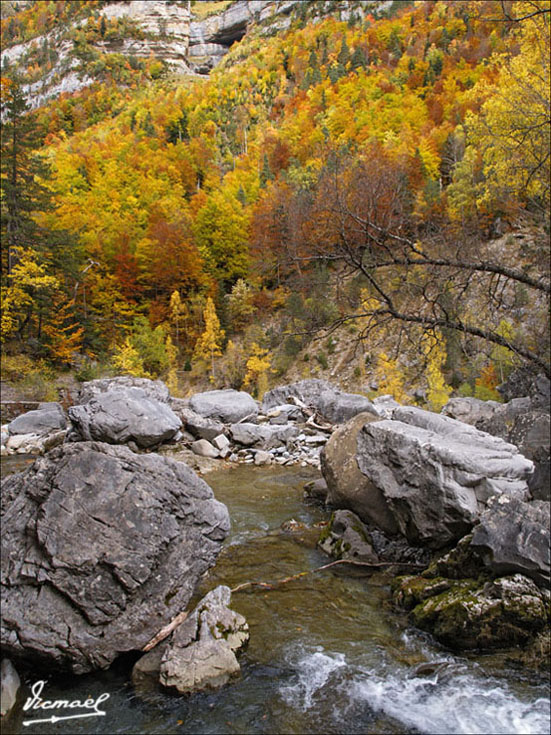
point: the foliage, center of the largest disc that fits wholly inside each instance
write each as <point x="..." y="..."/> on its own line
<point x="438" y="392"/>
<point x="209" y="344"/>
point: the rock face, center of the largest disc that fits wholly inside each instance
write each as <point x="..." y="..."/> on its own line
<point x="347" y="486"/>
<point x="513" y="536"/>
<point x="48" y="418"/>
<point x="125" y="414"/>
<point x="334" y="405"/>
<point x="201" y="653"/>
<point x="433" y="474"/>
<point x="227" y="406"/>
<point x="100" y="549"/>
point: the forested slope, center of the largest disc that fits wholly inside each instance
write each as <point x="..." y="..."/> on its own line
<point x="389" y="176"/>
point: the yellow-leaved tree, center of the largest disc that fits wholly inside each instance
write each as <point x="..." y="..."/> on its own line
<point x="512" y="132"/>
<point x="391" y="378"/>
<point x="258" y="366"/>
<point x="209" y="344"/>
<point x="434" y="349"/>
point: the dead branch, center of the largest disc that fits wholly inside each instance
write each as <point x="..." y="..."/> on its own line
<point x="166" y="631"/>
<point x="293" y="577"/>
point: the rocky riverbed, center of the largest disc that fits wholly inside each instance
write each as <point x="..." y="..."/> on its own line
<point x="110" y="532"/>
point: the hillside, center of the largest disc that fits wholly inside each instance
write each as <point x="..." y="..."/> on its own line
<point x="352" y="190"/>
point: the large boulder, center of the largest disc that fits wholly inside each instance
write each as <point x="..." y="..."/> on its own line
<point x="202" y="651"/>
<point x="227" y="406"/>
<point x="320" y="395"/>
<point x="200" y="427"/>
<point x="48" y="418"/>
<point x="154" y="389"/>
<point x="101" y="548"/>
<point x="266" y="436"/>
<point x="433" y="474"/>
<point x="347" y="486"/>
<point x="513" y="536"/>
<point x="522" y="421"/>
<point x="124" y="414"/>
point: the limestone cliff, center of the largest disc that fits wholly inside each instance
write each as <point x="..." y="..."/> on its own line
<point x="168" y="31"/>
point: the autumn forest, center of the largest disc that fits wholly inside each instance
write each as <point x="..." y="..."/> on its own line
<point x="379" y="181"/>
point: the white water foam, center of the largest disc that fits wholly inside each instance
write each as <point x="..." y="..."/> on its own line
<point x="314" y="670"/>
<point x="464" y="705"/>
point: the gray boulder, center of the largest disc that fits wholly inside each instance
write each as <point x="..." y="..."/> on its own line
<point x="436" y="474"/>
<point x="201" y="653"/>
<point x="101" y="548"/>
<point x="44" y="420"/>
<point x="339" y="407"/>
<point x="204" y="448"/>
<point x="346" y="537"/>
<point x="227" y="406"/>
<point x="347" y="486"/>
<point x="406" y="460"/>
<point x="519" y="423"/>
<point x="265" y="436"/>
<point x="122" y="415"/>
<point x="285" y="413"/>
<point x="336" y="406"/>
<point x="154" y="389"/>
<point x="513" y="536"/>
<point x="200" y="427"/>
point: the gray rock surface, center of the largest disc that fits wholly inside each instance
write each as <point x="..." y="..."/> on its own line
<point x="204" y="448"/>
<point x="336" y="406"/>
<point x="227" y="406"/>
<point x="513" y="536"/>
<point x="201" y="653"/>
<point x="200" y="427"/>
<point x="125" y="414"/>
<point x="346" y="537"/>
<point x="100" y="549"/>
<point x="520" y="423"/>
<point x="347" y="486"/>
<point x="264" y="436"/>
<point x="154" y="389"/>
<point x="10" y="684"/>
<point x="436" y="474"/>
<point x="49" y="418"/>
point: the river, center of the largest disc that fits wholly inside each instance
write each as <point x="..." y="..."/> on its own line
<point x="327" y="653"/>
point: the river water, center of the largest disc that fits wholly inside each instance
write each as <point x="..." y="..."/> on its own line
<point x="327" y="653"/>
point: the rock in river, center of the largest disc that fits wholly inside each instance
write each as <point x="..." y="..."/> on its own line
<point x="125" y="414"/>
<point x="100" y="549"/>
<point x="430" y="476"/>
<point x="201" y="653"/>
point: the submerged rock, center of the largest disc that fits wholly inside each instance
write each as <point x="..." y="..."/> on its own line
<point x="202" y="651"/>
<point x="100" y="549"/>
<point x="121" y="415"/>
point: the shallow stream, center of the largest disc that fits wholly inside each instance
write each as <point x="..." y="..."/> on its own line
<point x="327" y="653"/>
